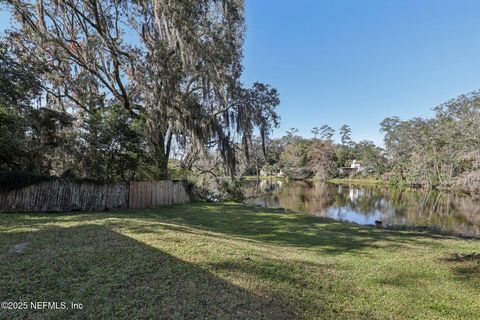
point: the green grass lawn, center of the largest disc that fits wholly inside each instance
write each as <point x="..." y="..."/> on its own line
<point x="359" y="182"/>
<point x="231" y="261"/>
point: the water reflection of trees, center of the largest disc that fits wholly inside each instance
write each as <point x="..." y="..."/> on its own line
<point x="255" y="188"/>
<point x="456" y="212"/>
<point x="451" y="211"/>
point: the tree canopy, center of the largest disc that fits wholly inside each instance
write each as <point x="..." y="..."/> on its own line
<point x="141" y="78"/>
<point x="442" y="150"/>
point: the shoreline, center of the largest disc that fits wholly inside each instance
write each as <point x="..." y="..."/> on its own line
<point x="365" y="182"/>
<point x="381" y="183"/>
<point x="359" y="182"/>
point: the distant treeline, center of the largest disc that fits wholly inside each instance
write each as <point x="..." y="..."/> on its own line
<point x="443" y="151"/>
<point x="320" y="157"/>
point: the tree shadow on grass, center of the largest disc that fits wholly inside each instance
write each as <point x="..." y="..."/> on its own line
<point x="116" y="277"/>
<point x="277" y="226"/>
<point x="264" y="225"/>
<point x="465" y="267"/>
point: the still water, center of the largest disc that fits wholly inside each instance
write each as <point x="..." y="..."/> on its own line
<point x="363" y="205"/>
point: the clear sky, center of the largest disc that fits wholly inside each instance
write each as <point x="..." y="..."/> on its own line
<point x="359" y="61"/>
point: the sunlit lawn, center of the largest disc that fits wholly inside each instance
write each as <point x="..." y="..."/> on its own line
<point x="359" y="182"/>
<point x="232" y="261"/>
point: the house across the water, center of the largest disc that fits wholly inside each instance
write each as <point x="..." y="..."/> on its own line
<point x="355" y="167"/>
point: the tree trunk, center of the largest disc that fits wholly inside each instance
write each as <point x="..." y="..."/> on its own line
<point x="160" y="152"/>
<point x="162" y="164"/>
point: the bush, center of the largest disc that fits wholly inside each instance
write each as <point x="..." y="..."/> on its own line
<point x="10" y="180"/>
<point x="231" y="190"/>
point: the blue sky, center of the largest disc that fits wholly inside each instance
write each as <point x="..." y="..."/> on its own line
<point x="359" y="61"/>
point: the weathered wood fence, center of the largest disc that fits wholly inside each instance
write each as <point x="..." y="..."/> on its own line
<point x="147" y="194"/>
<point x="60" y="196"/>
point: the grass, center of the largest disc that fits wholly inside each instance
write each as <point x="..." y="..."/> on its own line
<point x="359" y="182"/>
<point x="232" y="261"/>
<point x="274" y="178"/>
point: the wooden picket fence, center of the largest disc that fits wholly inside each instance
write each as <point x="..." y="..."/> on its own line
<point x="62" y="196"/>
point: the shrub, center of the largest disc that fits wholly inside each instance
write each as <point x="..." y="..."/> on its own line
<point x="19" y="179"/>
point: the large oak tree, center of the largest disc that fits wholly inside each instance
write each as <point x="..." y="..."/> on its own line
<point x="177" y="64"/>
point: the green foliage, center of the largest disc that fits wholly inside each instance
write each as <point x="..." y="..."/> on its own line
<point x="110" y="144"/>
<point x="294" y="158"/>
<point x="115" y="145"/>
<point x="18" y="179"/>
<point x="12" y="137"/>
<point x="18" y="86"/>
<point x="178" y="172"/>
<point x="322" y="159"/>
<point x="178" y="71"/>
<point x="230" y="190"/>
<point x="343" y="155"/>
<point x="326" y="132"/>
<point x="436" y="151"/>
<point x="29" y="136"/>
<point x="48" y="139"/>
<point x="371" y="157"/>
<point x="300" y="158"/>
<point x="345" y="135"/>
<point x="19" y="82"/>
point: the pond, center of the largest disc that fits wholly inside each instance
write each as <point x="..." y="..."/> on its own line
<point x="451" y="212"/>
